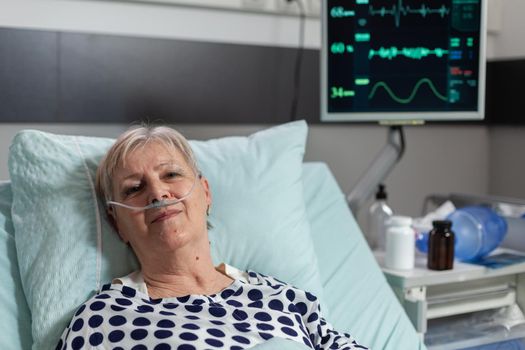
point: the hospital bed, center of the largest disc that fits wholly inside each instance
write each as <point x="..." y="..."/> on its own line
<point x="44" y="277"/>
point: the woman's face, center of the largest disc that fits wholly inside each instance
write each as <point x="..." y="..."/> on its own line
<point x="152" y="173"/>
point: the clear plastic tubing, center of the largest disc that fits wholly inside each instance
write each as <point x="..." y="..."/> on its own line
<point x="157" y="204"/>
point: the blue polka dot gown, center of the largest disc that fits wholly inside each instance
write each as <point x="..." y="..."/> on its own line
<point x="239" y="317"/>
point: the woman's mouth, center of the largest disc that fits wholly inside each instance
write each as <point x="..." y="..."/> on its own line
<point x="165" y="215"/>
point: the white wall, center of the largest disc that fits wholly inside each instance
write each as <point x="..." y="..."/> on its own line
<point x="507" y="161"/>
<point x="193" y="23"/>
<point x="508" y="41"/>
<point x="157" y="20"/>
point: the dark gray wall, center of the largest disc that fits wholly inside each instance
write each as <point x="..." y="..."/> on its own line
<point x="48" y="76"/>
<point x="54" y="76"/>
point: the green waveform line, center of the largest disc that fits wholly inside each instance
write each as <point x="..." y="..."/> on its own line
<point x="414" y="91"/>
<point x="400" y="9"/>
<point x="416" y="53"/>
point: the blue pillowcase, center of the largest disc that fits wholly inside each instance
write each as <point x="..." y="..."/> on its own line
<point x="67" y="249"/>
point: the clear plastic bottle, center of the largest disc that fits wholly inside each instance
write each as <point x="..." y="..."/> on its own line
<point x="378" y="214"/>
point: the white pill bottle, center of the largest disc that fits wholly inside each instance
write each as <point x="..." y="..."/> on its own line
<point x="400" y="243"/>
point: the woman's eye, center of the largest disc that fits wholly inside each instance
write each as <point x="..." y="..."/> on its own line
<point x="173" y="174"/>
<point x="131" y="190"/>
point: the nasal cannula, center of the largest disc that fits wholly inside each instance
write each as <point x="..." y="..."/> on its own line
<point x="156" y="204"/>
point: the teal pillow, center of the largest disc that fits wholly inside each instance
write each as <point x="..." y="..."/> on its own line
<point x="15" y="319"/>
<point x="258" y="211"/>
<point x="67" y="249"/>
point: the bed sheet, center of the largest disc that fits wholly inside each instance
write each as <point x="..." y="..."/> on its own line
<point x="359" y="298"/>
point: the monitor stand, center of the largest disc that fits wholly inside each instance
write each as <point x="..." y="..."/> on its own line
<point x="377" y="172"/>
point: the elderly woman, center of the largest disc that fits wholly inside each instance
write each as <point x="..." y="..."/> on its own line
<point x="158" y="203"/>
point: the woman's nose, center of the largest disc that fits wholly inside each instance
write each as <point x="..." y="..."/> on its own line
<point x="157" y="193"/>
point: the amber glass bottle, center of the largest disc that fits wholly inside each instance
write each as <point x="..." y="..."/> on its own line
<point x="441" y="246"/>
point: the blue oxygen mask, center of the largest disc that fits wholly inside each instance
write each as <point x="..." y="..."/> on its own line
<point x="181" y="184"/>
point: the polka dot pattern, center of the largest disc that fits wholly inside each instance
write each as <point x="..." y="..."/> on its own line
<point x="165" y="324"/>
<point x="116" y="308"/>
<point x="123" y="301"/>
<point x="190" y="326"/>
<point x="255" y="294"/>
<point x="188" y="336"/>
<point x="141" y="321"/>
<point x="97" y="305"/>
<point x="276" y="304"/>
<point x="77" y="326"/>
<point x="163" y="334"/>
<point x="302" y="308"/>
<point x="170" y="306"/>
<point x="265" y="327"/>
<point x="102" y="296"/>
<point x="80" y="310"/>
<point x="95" y="321"/>
<point x="139" y="334"/>
<point x="239" y="317"/>
<point x="241" y="339"/>
<point x="129" y="292"/>
<point x="117" y="320"/>
<point x="217" y="311"/>
<point x="214" y="342"/>
<point x="77" y="343"/>
<point x="96" y="339"/>
<point x="116" y="336"/>
<point x="262" y="316"/>
<point x="216" y="332"/>
<point x="193" y="308"/>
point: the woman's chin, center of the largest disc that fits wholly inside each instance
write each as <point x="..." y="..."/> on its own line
<point x="172" y="237"/>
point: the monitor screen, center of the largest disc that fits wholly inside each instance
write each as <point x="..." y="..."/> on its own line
<point x="403" y="60"/>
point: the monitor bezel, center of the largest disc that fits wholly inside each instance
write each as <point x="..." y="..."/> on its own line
<point x="403" y="117"/>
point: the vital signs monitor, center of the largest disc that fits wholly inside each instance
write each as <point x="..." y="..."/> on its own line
<point x="390" y="60"/>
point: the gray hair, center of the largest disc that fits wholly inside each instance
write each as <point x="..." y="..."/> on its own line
<point x="131" y="140"/>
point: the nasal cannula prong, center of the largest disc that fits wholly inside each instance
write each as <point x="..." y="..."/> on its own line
<point x="158" y="204"/>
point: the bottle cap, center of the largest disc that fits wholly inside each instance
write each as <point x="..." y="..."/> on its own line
<point x="398" y="220"/>
<point x="381" y="194"/>
<point x="443" y="224"/>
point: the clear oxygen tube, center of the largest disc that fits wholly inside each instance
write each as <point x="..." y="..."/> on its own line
<point x="161" y="203"/>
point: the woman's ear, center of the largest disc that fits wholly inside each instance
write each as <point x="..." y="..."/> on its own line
<point x="113" y="222"/>
<point x="207" y="192"/>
